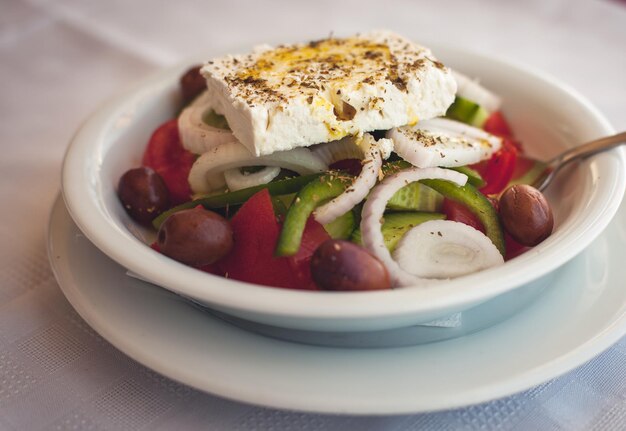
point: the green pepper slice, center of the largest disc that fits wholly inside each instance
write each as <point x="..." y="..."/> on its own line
<point x="473" y="177"/>
<point x="311" y="196"/>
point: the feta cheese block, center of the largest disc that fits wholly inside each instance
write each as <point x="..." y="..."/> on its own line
<point x="276" y="99"/>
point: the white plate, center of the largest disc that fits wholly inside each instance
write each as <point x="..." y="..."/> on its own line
<point x="582" y="314"/>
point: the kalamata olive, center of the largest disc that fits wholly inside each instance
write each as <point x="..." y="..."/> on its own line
<point x="143" y="193"/>
<point x="192" y="83"/>
<point x="342" y="265"/>
<point x="526" y="214"/>
<point x="195" y="236"/>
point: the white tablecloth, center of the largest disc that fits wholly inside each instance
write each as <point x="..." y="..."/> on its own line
<point x="60" y="59"/>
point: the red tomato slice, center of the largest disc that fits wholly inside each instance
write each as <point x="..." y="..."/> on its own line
<point x="498" y="170"/>
<point x="166" y="155"/>
<point x="458" y="212"/>
<point x="497" y="125"/>
<point x="255" y="233"/>
<point x="314" y="235"/>
<point x="513" y="248"/>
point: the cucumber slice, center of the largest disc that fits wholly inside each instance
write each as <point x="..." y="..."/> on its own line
<point x="342" y="227"/>
<point x="419" y="197"/>
<point x="467" y="112"/>
<point x="415" y="197"/>
<point x="213" y="119"/>
<point x="396" y="225"/>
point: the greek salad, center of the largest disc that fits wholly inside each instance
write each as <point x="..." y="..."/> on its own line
<point x="360" y="163"/>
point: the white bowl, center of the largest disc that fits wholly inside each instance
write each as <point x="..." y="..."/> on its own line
<point x="545" y="114"/>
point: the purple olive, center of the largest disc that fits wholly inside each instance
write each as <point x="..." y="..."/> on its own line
<point x="342" y="265"/>
<point x="526" y="214"/>
<point x="195" y="236"/>
<point x="192" y="83"/>
<point x="143" y="194"/>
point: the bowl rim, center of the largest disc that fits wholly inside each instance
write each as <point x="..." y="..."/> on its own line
<point x="89" y="211"/>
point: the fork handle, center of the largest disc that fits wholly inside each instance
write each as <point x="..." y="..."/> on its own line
<point x="578" y="153"/>
<point x="589" y="149"/>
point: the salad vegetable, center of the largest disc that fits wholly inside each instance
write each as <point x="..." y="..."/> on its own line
<point x="477" y="203"/>
<point x="360" y="187"/>
<point x="467" y="112"/>
<point x="342" y="227"/>
<point x="326" y="187"/>
<point x="365" y="209"/>
<point x="373" y="214"/>
<point x="396" y="225"/>
<point x="445" y="249"/>
<point x="166" y="155"/>
<point x="255" y="234"/>
<point x="207" y="173"/>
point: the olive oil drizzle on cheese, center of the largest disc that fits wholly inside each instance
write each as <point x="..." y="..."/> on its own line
<point x="326" y="65"/>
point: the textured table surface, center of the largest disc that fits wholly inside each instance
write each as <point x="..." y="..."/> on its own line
<point x="60" y="59"/>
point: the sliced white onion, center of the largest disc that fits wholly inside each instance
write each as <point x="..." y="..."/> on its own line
<point x="374" y="208"/>
<point x="363" y="183"/>
<point x="470" y="89"/>
<point x="331" y="152"/>
<point x="197" y="136"/>
<point x="350" y="147"/>
<point x="443" y="142"/>
<point x="237" y="180"/>
<point x="207" y="172"/>
<point x="445" y="249"/>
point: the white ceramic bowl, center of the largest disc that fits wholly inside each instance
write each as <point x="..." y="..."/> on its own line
<point x="545" y="114"/>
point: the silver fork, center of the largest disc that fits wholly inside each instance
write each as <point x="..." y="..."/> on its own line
<point x="577" y="153"/>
